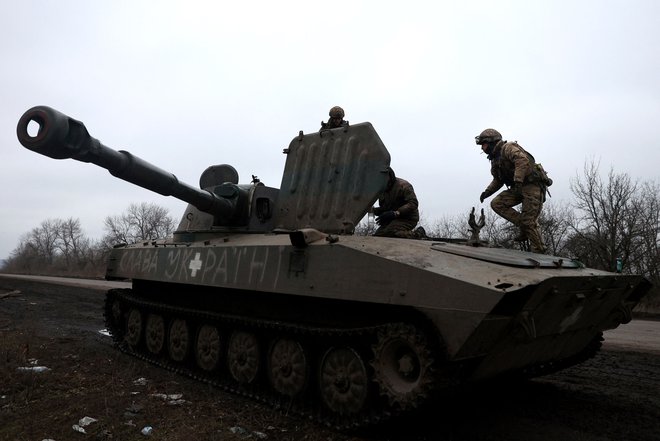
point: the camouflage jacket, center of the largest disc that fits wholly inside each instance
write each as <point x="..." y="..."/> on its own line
<point x="509" y="163"/>
<point x="400" y="197"/>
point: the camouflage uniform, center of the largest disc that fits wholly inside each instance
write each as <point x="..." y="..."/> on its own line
<point x="399" y="197"/>
<point x="336" y="119"/>
<point x="511" y="164"/>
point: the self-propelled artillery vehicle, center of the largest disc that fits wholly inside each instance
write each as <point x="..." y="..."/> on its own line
<point x="267" y="292"/>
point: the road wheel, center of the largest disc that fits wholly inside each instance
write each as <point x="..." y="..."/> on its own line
<point x="207" y="347"/>
<point x="343" y="381"/>
<point x="287" y="367"/>
<point x="133" y="327"/>
<point x="179" y="340"/>
<point x="155" y="333"/>
<point x="243" y="356"/>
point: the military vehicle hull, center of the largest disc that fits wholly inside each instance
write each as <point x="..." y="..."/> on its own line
<point x="350" y="329"/>
<point x="266" y="291"/>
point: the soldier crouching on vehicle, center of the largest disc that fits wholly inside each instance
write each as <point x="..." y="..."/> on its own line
<point x="336" y="119"/>
<point x="397" y="213"/>
<point x="512" y="166"/>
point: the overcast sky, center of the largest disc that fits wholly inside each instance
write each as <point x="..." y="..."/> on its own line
<point x="185" y="85"/>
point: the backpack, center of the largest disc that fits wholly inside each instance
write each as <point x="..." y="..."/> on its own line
<point x="538" y="174"/>
<point x="541" y="175"/>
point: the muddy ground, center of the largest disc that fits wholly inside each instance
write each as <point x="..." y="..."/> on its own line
<point x="615" y="396"/>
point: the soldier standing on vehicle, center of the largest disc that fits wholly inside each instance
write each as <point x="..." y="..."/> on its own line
<point x="336" y="119"/>
<point x="527" y="183"/>
<point x="397" y="213"/>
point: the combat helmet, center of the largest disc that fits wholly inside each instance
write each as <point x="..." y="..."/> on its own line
<point x="490" y="136"/>
<point x="336" y="112"/>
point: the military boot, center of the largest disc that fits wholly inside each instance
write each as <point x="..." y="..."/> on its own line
<point x="419" y="233"/>
<point x="535" y="242"/>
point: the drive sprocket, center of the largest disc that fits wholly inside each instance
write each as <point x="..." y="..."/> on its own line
<point x="403" y="365"/>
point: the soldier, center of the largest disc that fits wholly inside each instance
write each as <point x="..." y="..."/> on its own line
<point x="336" y="119"/>
<point x="397" y="214"/>
<point x="512" y="166"/>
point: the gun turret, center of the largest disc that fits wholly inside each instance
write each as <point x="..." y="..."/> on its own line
<point x="61" y="137"/>
<point x="330" y="180"/>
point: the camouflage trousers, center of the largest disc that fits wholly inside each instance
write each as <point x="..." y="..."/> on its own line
<point x="397" y="228"/>
<point x="526" y="219"/>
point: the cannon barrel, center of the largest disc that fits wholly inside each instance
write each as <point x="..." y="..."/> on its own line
<point x="61" y="137"/>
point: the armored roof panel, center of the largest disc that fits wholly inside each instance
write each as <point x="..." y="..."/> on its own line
<point x="507" y="257"/>
<point x="331" y="179"/>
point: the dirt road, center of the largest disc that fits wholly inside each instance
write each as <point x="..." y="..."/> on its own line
<point x="615" y="396"/>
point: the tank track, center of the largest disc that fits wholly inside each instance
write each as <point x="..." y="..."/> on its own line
<point x="356" y="344"/>
<point x="397" y="366"/>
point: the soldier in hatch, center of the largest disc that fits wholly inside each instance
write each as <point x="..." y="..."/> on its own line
<point x="397" y="214"/>
<point x="512" y="166"/>
<point x="336" y="119"/>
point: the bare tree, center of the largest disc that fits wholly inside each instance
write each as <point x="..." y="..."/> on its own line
<point x="25" y="258"/>
<point x="117" y="230"/>
<point x="645" y="257"/>
<point x="455" y="227"/>
<point x="367" y="226"/>
<point x="607" y="220"/>
<point x="55" y="246"/>
<point x="43" y="240"/>
<point x="555" y="224"/>
<point x="71" y="241"/>
<point x="144" y="221"/>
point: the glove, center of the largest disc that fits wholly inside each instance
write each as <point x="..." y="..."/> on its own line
<point x="378" y="211"/>
<point x="386" y="218"/>
<point x="483" y="196"/>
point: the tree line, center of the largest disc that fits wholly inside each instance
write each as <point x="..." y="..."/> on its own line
<point x="611" y="224"/>
<point x="60" y="247"/>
